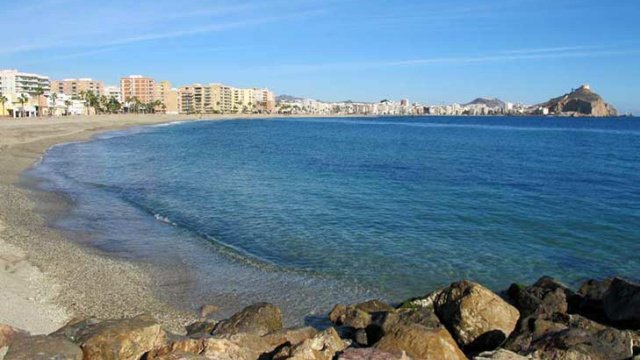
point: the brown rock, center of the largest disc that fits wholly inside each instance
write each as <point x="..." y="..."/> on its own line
<point x="477" y="318"/>
<point x="182" y="356"/>
<point x="370" y="354"/>
<point x="373" y="306"/>
<point x="261" y="319"/>
<point x="337" y="314"/>
<point x="577" y="343"/>
<point x="546" y="297"/>
<point x="420" y="342"/>
<point x="200" y="328"/>
<point x="322" y="346"/>
<point x="622" y="303"/>
<point x="253" y="346"/>
<point x="173" y="343"/>
<point x="8" y="334"/>
<point x="356" y="318"/>
<point x="74" y="329"/>
<point x="120" y="339"/>
<point x="383" y="322"/>
<point x="43" y="347"/>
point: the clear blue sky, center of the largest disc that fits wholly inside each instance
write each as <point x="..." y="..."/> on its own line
<point x="428" y="51"/>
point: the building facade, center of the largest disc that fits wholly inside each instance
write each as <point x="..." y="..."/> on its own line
<point x="16" y="82"/>
<point x="139" y="87"/>
<point x="113" y="91"/>
<point x="76" y="87"/>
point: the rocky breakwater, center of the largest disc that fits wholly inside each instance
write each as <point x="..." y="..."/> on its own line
<point x="545" y="320"/>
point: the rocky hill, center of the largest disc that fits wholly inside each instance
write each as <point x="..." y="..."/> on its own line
<point x="489" y="102"/>
<point x="580" y="102"/>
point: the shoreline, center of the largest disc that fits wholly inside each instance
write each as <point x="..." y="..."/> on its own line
<point x="47" y="278"/>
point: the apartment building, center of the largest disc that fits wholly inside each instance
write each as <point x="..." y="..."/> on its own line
<point x="169" y="96"/>
<point x="76" y="87"/>
<point x="113" y="91"/>
<point x="264" y="101"/>
<point x="16" y="82"/>
<point x="142" y="88"/>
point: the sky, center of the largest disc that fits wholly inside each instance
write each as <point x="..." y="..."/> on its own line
<point x="428" y="51"/>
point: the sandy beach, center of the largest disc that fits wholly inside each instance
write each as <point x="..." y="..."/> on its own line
<point x="47" y="279"/>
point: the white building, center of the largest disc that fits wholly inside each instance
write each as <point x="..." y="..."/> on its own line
<point x="15" y="82"/>
<point x="113" y="91"/>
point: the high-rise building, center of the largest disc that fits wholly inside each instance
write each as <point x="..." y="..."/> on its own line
<point x="169" y="97"/>
<point x="139" y="87"/>
<point x="264" y="100"/>
<point x="76" y="87"/>
<point x="15" y="82"/>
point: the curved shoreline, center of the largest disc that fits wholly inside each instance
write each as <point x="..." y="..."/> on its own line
<point x="48" y="279"/>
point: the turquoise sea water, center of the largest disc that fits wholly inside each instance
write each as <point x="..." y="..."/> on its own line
<point x="306" y="211"/>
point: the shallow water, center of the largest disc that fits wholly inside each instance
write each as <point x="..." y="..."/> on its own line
<point x="310" y="212"/>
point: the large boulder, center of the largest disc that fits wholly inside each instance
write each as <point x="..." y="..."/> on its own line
<point x="592" y="302"/>
<point x="370" y="354"/>
<point x="419" y="342"/>
<point x="564" y="336"/>
<point x="322" y="346"/>
<point x="8" y="334"/>
<point x="622" y="303"/>
<point x="115" y="339"/>
<point x="383" y="322"/>
<point x="261" y="319"/>
<point x="43" y="347"/>
<point x="546" y="297"/>
<point x="200" y="328"/>
<point x="574" y="343"/>
<point x="225" y="349"/>
<point x="476" y="317"/>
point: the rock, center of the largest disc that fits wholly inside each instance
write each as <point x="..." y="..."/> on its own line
<point x="383" y="322"/>
<point x="200" y="328"/>
<point x="359" y="315"/>
<point x="477" y="318"/>
<point x="373" y="306"/>
<point x="564" y="336"/>
<point x="500" y="354"/>
<point x="356" y="318"/>
<point x="426" y="301"/>
<point x="248" y="346"/>
<point x="261" y="319"/>
<point x="207" y="310"/>
<point x="419" y="342"/>
<point x="361" y="337"/>
<point x="337" y="314"/>
<point x="8" y="334"/>
<point x="43" y="347"/>
<point x="117" y="339"/>
<point x="580" y="344"/>
<point x="74" y="329"/>
<point x="370" y="354"/>
<point x="225" y="349"/>
<point x="173" y="343"/>
<point x="323" y="346"/>
<point x="582" y="101"/>
<point x="546" y="297"/>
<point x="592" y="304"/>
<point x="622" y="303"/>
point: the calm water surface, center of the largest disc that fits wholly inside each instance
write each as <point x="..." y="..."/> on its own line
<point x="303" y="212"/>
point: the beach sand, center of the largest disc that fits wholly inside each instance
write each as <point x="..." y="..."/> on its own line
<point x="45" y="278"/>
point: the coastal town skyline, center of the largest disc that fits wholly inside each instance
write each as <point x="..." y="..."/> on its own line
<point x="429" y="52"/>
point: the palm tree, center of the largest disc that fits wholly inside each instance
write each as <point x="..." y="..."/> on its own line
<point x="54" y="97"/>
<point x="22" y="99"/>
<point x="3" y="100"/>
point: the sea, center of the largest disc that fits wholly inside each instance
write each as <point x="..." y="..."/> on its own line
<point x="306" y="213"/>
